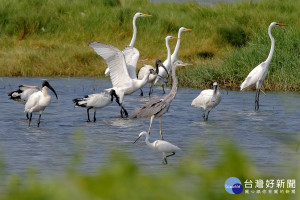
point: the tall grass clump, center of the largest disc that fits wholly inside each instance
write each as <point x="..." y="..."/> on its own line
<point x="50" y="38"/>
<point x="122" y="178"/>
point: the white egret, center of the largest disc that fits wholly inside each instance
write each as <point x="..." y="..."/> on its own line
<point x="96" y="101"/>
<point x="122" y="81"/>
<point x="152" y="77"/>
<point x="171" y="58"/>
<point x="207" y="100"/>
<point x="38" y="101"/>
<point x="160" y="145"/>
<point x="159" y="106"/>
<point x="259" y="73"/>
<point x="131" y="54"/>
<point x="22" y="94"/>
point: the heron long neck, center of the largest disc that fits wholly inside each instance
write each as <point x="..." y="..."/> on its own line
<point x="175" y="82"/>
<point x="272" y="46"/>
<point x="134" y="33"/>
<point x="175" y="53"/>
<point x="169" y="64"/>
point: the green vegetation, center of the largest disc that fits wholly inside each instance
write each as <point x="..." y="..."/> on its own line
<point x="50" y="38"/>
<point x="123" y="179"/>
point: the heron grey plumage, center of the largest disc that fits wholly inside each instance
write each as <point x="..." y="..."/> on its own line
<point x="159" y="106"/>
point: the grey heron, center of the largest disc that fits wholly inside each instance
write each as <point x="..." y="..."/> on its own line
<point x="159" y="106"/>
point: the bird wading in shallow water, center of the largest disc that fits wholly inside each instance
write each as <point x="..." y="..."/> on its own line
<point x="38" y="101"/>
<point x="23" y="93"/>
<point x="123" y="79"/>
<point x="160" y="145"/>
<point x="96" y="101"/>
<point x="152" y="78"/>
<point x="159" y="106"/>
<point x="207" y="100"/>
<point x="259" y="73"/>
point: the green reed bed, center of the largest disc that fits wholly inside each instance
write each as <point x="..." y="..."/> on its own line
<point x="50" y="38"/>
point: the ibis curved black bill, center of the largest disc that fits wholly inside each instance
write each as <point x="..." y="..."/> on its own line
<point x="162" y="65"/>
<point x="51" y="88"/>
<point x="137" y="139"/>
<point x="162" y="78"/>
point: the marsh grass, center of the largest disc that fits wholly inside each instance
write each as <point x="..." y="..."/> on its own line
<point x="50" y="38"/>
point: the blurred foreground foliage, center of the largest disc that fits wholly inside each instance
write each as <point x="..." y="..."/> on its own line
<point x="124" y="179"/>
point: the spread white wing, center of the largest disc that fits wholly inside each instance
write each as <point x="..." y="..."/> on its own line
<point x="131" y="58"/>
<point x="116" y="62"/>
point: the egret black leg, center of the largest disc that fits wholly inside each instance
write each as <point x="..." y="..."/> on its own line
<point x="206" y="118"/>
<point x="95" y="115"/>
<point x="141" y="94"/>
<point x="203" y="115"/>
<point x="30" y="119"/>
<point x="39" y="120"/>
<point x="163" y="87"/>
<point x="88" y="114"/>
<point x="164" y="161"/>
<point x="123" y="112"/>
<point x="171" y="154"/>
<point x="257" y="99"/>
<point x="27" y="115"/>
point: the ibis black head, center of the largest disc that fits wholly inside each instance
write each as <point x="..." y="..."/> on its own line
<point x="113" y="94"/>
<point x="46" y="84"/>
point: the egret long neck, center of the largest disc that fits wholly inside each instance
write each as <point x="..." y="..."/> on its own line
<point x="149" y="144"/>
<point x="272" y="46"/>
<point x="169" y="64"/>
<point x="175" y="53"/>
<point x="134" y="32"/>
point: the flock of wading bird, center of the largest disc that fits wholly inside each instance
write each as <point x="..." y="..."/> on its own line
<point x="125" y="81"/>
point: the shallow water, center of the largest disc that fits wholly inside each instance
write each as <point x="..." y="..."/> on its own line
<point x="267" y="136"/>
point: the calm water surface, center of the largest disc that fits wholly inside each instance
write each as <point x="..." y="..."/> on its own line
<point x="268" y="136"/>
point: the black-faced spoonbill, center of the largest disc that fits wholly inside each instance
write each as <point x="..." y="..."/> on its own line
<point x="259" y="73"/>
<point x="160" y="145"/>
<point x="38" y="101"/>
<point x="207" y="100"/>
